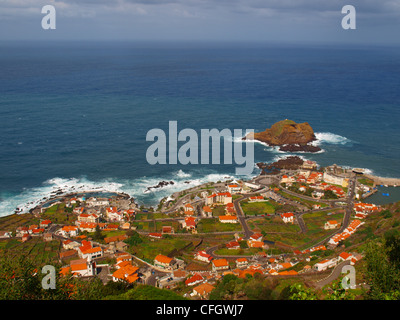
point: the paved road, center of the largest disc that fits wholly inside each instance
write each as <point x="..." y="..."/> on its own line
<point x="336" y="273"/>
<point x="348" y="210"/>
<point x="241" y="218"/>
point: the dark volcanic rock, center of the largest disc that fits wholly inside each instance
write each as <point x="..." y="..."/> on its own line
<point x="161" y="184"/>
<point x="288" y="163"/>
<point x="298" y="148"/>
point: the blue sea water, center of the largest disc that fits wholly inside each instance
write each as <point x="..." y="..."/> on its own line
<point x="76" y="115"/>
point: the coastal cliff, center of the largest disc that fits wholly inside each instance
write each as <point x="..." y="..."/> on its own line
<point x="289" y="136"/>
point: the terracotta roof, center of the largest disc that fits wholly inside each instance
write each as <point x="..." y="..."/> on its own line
<point x="180" y="273"/>
<point x="227" y="218"/>
<point x="68" y="253"/>
<point x="69" y="228"/>
<point x="288" y="273"/>
<point x="255" y="244"/>
<point x="204" y="288"/>
<point x="163" y="259"/>
<point x="345" y="255"/>
<point x="92" y="250"/>
<point x="197" y="277"/>
<point x="127" y="273"/>
<point x="220" y="262"/>
<point x="232" y="244"/>
<point x="287" y="215"/>
<point x="285" y="265"/>
<point x="204" y="255"/>
<point x="155" y="235"/>
<point x="80" y="264"/>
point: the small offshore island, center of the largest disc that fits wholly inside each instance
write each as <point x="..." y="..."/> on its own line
<point x="289" y="136"/>
<point x="294" y="224"/>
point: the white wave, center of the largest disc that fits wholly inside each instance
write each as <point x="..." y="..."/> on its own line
<point x="240" y="140"/>
<point x="330" y="138"/>
<point x="366" y="170"/>
<point x="277" y="158"/>
<point x="30" y="198"/>
<point x="182" y="174"/>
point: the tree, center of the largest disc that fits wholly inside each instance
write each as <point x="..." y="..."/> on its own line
<point x="335" y="291"/>
<point x="299" y="292"/>
<point x="134" y="238"/>
<point x="21" y="279"/>
<point x="382" y="271"/>
<point x="97" y="234"/>
<point x="329" y="194"/>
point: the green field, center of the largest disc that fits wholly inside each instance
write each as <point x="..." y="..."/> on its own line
<point x="218" y="211"/>
<point x="307" y="203"/>
<point x="290" y="234"/>
<point x="316" y="221"/>
<point x="272" y="224"/>
<point x="11" y="222"/>
<point x="257" y="208"/>
<point x="236" y="252"/>
<point x="150" y="248"/>
<point x="212" y="225"/>
<point x="42" y="252"/>
<point x="58" y="213"/>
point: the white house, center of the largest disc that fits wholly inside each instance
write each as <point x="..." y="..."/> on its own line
<point x="345" y="256"/>
<point x="80" y="267"/>
<point x="325" y="264"/>
<point x="85" y="217"/>
<point x="287" y="217"/>
<point x="203" y="256"/>
<point x="163" y="261"/>
<point x="189" y="209"/>
<point x="219" y="198"/>
<point x="256" y="237"/>
<point x="242" y="262"/>
<point x="87" y="251"/>
<point x="91" y="253"/>
<point x="220" y="264"/>
<point x="93" y="202"/>
<point x="207" y="211"/>
<point x="234" y="188"/>
<point x="69" y="231"/>
<point x="331" y="224"/>
<point x="70" y="245"/>
<point x="114" y="215"/>
<point x="5" y="234"/>
<point x="256" y="199"/>
<point x="228" y="219"/>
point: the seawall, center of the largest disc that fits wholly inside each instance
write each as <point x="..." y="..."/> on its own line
<point x="391" y="182"/>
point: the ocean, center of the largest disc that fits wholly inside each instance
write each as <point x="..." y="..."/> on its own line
<point x="74" y="115"/>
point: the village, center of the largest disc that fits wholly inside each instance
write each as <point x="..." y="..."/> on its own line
<point x="290" y="224"/>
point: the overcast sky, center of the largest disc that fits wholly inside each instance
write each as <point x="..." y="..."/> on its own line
<point x="378" y="21"/>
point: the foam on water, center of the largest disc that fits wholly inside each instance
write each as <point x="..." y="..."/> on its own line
<point x="57" y="186"/>
<point x="330" y="138"/>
